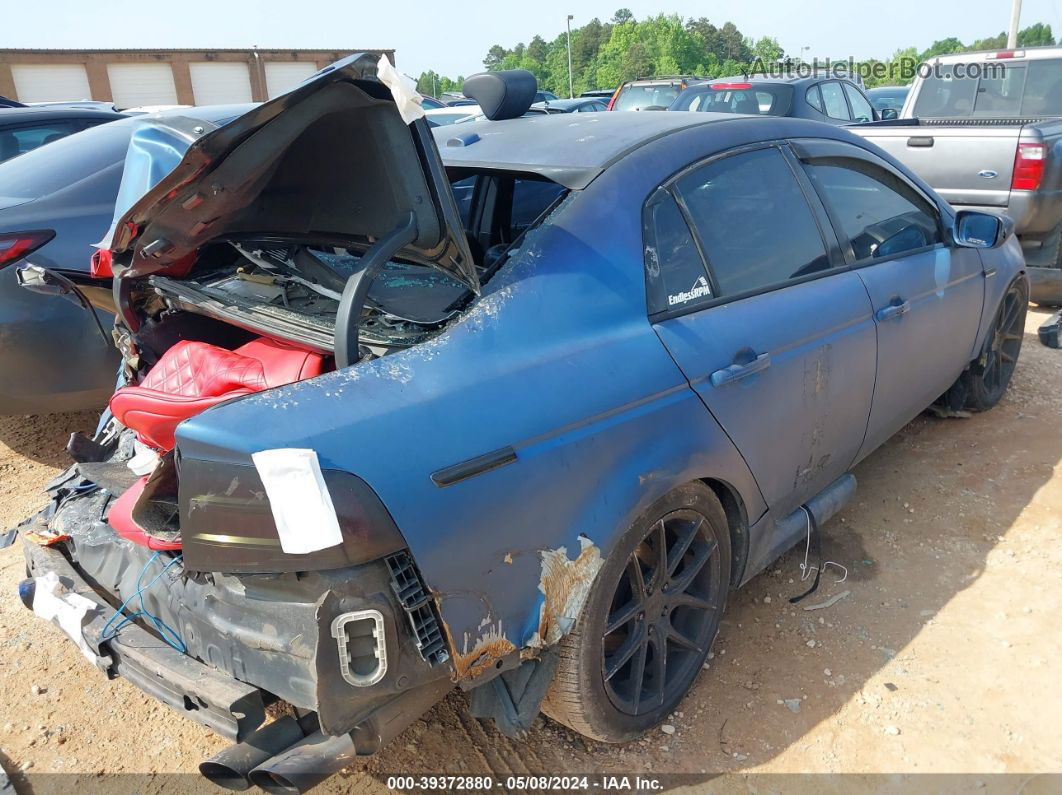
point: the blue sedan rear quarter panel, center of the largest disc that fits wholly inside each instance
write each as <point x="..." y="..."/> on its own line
<point x="558" y="360"/>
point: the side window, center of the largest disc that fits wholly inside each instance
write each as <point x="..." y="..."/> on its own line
<point x="674" y="271"/>
<point x="861" y="110"/>
<point x="25" y="139"/>
<point x="463" y="190"/>
<point x="753" y="221"/>
<point x="531" y="197"/>
<point x="814" y="99"/>
<point x="878" y="212"/>
<point x="833" y="100"/>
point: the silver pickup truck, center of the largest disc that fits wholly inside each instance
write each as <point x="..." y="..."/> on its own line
<point x="985" y="130"/>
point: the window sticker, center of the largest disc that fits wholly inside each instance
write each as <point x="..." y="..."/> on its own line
<point x="700" y="289"/>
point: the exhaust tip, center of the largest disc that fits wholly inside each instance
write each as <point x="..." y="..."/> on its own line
<point x="224" y="776"/>
<point x="274" y="783"/>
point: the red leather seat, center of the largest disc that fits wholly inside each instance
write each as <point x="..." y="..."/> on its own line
<point x="193" y="376"/>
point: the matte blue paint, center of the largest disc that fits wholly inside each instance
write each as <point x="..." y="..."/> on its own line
<point x="607" y="412"/>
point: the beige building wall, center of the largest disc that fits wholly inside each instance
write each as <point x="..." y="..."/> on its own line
<point x="96" y="62"/>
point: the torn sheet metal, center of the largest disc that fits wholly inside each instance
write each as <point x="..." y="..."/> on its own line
<point x="475" y="657"/>
<point x="66" y="610"/>
<point x="565" y="584"/>
<point x="299" y="499"/>
<point x="403" y="89"/>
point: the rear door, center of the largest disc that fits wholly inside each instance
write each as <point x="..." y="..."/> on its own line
<point x="748" y="292"/>
<point x="927" y="296"/>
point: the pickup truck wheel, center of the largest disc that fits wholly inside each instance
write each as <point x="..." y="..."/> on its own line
<point x="648" y="622"/>
<point x="986" y="380"/>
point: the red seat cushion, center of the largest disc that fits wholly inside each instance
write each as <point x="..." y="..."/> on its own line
<point x="193" y="376"/>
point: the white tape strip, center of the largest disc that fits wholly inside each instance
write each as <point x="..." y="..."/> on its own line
<point x="403" y="89"/>
<point x="302" y="507"/>
<point x="66" y="610"/>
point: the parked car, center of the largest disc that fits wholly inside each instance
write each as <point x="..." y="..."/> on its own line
<point x="599" y="93"/>
<point x="431" y="103"/>
<point x="83" y="104"/>
<point x="441" y="117"/>
<point x="651" y="93"/>
<point x="888" y="98"/>
<point x="424" y="444"/>
<point x="24" y="129"/>
<point x="985" y="129"/>
<point x="577" y="105"/>
<point x="832" y="101"/>
<point x="55" y="204"/>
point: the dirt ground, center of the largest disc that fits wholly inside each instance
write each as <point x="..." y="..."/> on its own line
<point x="943" y="658"/>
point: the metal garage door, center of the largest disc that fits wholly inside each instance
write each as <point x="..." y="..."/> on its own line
<point x="283" y="76"/>
<point x="50" y="82"/>
<point x="216" y="83"/>
<point x="135" y="84"/>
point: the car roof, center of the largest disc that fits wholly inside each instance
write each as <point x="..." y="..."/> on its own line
<point x="30" y="114"/>
<point x="568" y="103"/>
<point x="570" y="150"/>
<point x="759" y="80"/>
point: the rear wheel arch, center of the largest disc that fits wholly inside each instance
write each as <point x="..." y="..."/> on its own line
<point x="738" y="521"/>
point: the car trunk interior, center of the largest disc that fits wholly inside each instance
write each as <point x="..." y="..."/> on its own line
<point x="252" y="313"/>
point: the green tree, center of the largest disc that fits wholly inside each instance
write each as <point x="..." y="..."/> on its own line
<point x="943" y="47"/>
<point x="495" y="56"/>
<point x="1038" y="35"/>
<point x="768" y="50"/>
<point x="622" y="16"/>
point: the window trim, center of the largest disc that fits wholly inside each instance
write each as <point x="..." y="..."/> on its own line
<point x="820" y="108"/>
<point x="845" y="151"/>
<point x="831" y="245"/>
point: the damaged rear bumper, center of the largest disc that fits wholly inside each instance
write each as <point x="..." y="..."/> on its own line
<point x="248" y="639"/>
<point x="231" y="708"/>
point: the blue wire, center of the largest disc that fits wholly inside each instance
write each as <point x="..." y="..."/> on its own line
<point x="168" y="634"/>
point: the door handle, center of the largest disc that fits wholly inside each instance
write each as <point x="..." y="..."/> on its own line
<point x="893" y="310"/>
<point x="736" y="372"/>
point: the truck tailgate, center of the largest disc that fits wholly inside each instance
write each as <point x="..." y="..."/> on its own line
<point x="971" y="164"/>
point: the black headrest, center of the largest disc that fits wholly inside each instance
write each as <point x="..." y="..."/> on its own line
<point x="502" y="95"/>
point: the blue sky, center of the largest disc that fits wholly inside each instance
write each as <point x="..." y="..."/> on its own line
<point x="452" y="36"/>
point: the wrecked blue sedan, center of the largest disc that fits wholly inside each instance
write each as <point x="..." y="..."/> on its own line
<point x="511" y="409"/>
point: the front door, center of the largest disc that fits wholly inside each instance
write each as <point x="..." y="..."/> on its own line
<point x="927" y="296"/>
<point x="758" y="310"/>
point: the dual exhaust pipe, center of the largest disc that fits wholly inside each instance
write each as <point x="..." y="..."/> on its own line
<point x="292" y="755"/>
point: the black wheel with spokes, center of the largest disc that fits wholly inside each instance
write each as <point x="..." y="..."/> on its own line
<point x="987" y="379"/>
<point x="649" y="620"/>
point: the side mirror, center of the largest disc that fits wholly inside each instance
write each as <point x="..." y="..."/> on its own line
<point x="888" y="114"/>
<point x="975" y="229"/>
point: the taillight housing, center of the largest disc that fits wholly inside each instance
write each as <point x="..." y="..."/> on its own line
<point x="1029" y="163"/>
<point x="100" y="264"/>
<point x="17" y="245"/>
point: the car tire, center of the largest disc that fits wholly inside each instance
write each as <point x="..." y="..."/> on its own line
<point x="681" y="602"/>
<point x="984" y="382"/>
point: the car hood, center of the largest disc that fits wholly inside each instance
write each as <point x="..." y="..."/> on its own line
<point x="342" y="159"/>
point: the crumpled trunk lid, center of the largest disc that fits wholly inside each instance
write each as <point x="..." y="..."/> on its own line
<point x="332" y="161"/>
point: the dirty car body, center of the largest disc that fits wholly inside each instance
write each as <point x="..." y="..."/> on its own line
<point x="524" y="376"/>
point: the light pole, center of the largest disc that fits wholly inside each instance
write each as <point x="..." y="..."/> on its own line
<point x="802" y="51"/>
<point x="1015" y="17"/>
<point x="571" y="90"/>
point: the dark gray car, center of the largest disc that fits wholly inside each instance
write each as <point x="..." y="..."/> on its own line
<point x="832" y="100"/>
<point x="24" y="129"/>
<point x="55" y="204"/>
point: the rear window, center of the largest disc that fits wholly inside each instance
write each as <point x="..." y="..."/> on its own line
<point x="1001" y="90"/>
<point x="756" y="100"/>
<point x="64" y="162"/>
<point x="657" y="96"/>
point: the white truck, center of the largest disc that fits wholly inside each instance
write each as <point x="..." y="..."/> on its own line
<point x="985" y="131"/>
